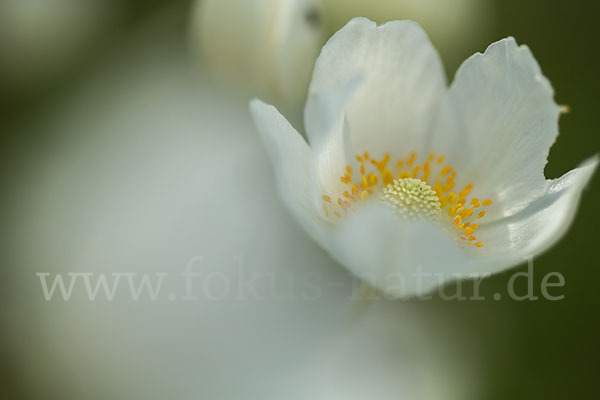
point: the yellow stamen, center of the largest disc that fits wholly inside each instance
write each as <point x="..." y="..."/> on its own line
<point x="373" y="179"/>
<point x="411" y="159"/>
<point x="363" y="196"/>
<point x="415" y="189"/>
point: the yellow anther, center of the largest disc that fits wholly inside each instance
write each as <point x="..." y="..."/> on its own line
<point x="478" y="244"/>
<point x="481" y="214"/>
<point x="387" y="176"/>
<point x="327" y="198"/>
<point x="486" y="202"/>
<point x="362" y="169"/>
<point x="475" y="202"/>
<point x="416" y="171"/>
<point x="431" y="157"/>
<point x="404" y="174"/>
<point x="474" y="226"/>
<point x="347" y="195"/>
<point x="446" y="170"/>
<point x="411" y="159"/>
<point x="466" y="212"/>
<point x="354" y="190"/>
<point x="383" y="163"/>
<point x="349" y="169"/>
<point x="373" y="179"/>
<point x="426" y="171"/>
<point x="457" y="220"/>
<point x="452" y="197"/>
<point x="469" y="230"/>
<point x="359" y="159"/>
<point x="452" y="210"/>
<point x="440" y="160"/>
<point x="325" y="209"/>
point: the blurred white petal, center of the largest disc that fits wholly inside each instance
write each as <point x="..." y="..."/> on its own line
<point x="145" y="170"/>
<point x="388" y="252"/>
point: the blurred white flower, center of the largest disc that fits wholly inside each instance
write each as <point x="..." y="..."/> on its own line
<point x="457" y="172"/>
<point x="140" y="169"/>
<point x="266" y="47"/>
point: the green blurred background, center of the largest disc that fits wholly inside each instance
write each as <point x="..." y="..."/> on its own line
<point x="529" y="350"/>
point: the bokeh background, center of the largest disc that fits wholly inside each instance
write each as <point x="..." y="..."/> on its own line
<point x="127" y="146"/>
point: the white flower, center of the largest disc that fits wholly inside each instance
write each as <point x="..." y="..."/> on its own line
<point x="263" y="46"/>
<point x="463" y="165"/>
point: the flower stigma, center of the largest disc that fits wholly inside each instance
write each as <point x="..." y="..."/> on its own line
<point x="414" y="191"/>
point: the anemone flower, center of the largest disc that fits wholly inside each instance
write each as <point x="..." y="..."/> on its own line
<point x="410" y="183"/>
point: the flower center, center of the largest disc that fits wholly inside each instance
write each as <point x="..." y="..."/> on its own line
<point x="414" y="190"/>
<point x="412" y="198"/>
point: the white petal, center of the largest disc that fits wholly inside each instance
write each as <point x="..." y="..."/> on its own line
<point x="331" y="148"/>
<point x="538" y="226"/>
<point x="292" y="161"/>
<point x="403" y="84"/>
<point x="499" y="121"/>
<point x="389" y="253"/>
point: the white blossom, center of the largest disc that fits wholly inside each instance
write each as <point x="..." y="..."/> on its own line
<point x="402" y="174"/>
